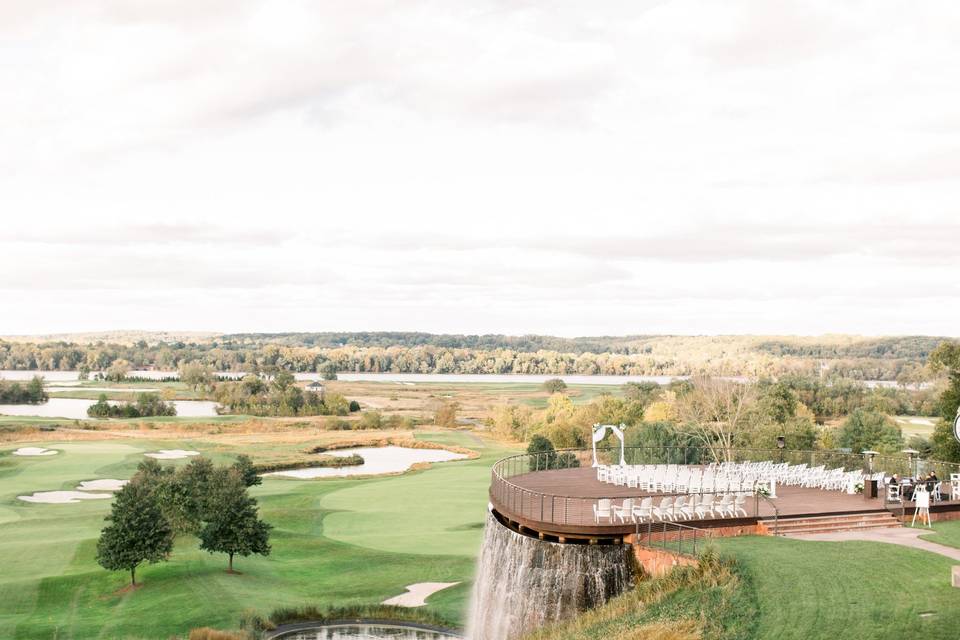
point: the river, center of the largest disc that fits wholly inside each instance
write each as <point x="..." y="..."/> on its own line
<point x="409" y="378"/>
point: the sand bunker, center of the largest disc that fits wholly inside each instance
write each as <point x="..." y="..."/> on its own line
<point x="34" y="451"/>
<point x="171" y="454"/>
<point x="63" y="497"/>
<point x="107" y="484"/>
<point x="417" y="594"/>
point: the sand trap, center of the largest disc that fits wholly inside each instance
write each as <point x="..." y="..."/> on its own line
<point x="171" y="454"/>
<point x="923" y="421"/>
<point x="107" y="484"/>
<point x="376" y="460"/>
<point x="417" y="594"/>
<point x="63" y="497"/>
<point x="34" y="451"/>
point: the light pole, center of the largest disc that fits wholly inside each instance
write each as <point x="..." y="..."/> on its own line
<point x="910" y="453"/>
<point x="869" y="484"/>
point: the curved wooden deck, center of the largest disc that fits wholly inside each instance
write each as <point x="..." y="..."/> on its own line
<point x="559" y="504"/>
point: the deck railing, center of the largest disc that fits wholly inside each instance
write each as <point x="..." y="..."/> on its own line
<point x="674" y="537"/>
<point x="560" y="509"/>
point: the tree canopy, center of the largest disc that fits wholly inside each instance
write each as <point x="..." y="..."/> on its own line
<point x="138" y="531"/>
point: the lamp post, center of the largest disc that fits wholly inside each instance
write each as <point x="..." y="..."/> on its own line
<point x="910" y="453"/>
<point x="869" y="484"/>
<point x="868" y="459"/>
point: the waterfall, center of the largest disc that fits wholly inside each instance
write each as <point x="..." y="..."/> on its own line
<point x="523" y="583"/>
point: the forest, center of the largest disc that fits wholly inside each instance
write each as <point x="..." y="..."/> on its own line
<point x="895" y="359"/>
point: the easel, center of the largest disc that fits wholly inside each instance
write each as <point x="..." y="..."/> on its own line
<point x="921" y="499"/>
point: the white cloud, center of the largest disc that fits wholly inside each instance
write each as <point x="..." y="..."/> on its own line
<point x="488" y="166"/>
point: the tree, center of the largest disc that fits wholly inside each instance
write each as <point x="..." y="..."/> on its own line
<point x="117" y="371"/>
<point x="778" y="402"/>
<point x="328" y="370"/>
<point x="100" y="408"/>
<point x="555" y="385"/>
<point x="283" y="380"/>
<point x="233" y="526"/>
<point x="138" y="531"/>
<point x="865" y="430"/>
<point x="248" y="473"/>
<point x="446" y="415"/>
<point x="543" y="452"/>
<point x="946" y="358"/>
<point x="196" y="374"/>
<point x="715" y="411"/>
<point x="642" y="392"/>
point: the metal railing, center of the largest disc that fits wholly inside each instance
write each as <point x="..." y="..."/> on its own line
<point x="776" y="512"/>
<point x="560" y="509"/>
<point x="673" y="537"/>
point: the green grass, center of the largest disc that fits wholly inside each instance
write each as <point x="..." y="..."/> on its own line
<point x="909" y="428"/>
<point x="51" y="586"/>
<point x="852" y="590"/>
<point x="946" y="533"/>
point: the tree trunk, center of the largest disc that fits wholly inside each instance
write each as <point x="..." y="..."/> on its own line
<point x="231" y="563"/>
<point x="133" y="576"/>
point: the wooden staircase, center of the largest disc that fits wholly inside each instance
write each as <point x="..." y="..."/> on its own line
<point x="833" y="523"/>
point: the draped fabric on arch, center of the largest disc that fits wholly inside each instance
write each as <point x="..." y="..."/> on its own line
<point x="600" y="432"/>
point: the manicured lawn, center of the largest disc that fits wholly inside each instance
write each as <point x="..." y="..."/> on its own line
<point x="326" y="550"/>
<point x="852" y="590"/>
<point x="947" y="533"/>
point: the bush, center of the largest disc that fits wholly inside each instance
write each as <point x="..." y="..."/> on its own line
<point x="446" y="415"/>
<point x="371" y="420"/>
<point x="555" y="385"/>
<point x="354" y="406"/>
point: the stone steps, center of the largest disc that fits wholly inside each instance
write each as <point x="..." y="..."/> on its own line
<point x="833" y="523"/>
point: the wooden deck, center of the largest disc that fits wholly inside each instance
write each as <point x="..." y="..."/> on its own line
<point x="560" y="502"/>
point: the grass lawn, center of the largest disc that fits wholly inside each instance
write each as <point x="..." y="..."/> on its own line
<point x="947" y="533"/>
<point x="806" y="590"/>
<point x="328" y="549"/>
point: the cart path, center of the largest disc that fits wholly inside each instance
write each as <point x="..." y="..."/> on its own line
<point x="903" y="536"/>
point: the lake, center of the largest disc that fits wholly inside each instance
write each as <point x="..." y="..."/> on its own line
<point x="76" y="409"/>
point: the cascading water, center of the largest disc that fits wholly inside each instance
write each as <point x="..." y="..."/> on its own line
<point x="523" y="583"/>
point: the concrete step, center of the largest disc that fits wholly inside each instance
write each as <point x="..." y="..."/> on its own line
<point x="832" y="523"/>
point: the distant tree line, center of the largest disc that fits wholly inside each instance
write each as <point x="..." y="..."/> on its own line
<point x="900" y="359"/>
<point x="13" y="392"/>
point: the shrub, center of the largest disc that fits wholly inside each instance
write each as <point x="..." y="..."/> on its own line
<point x="354" y="406"/>
<point x="446" y="415"/>
<point x="555" y="385"/>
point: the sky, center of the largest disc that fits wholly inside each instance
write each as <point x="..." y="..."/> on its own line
<point x="493" y="166"/>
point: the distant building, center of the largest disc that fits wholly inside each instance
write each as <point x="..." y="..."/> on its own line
<point x="316" y="387"/>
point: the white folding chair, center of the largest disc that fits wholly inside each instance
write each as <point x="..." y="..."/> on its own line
<point x="603" y="509"/>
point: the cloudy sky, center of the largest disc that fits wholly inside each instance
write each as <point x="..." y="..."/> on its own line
<point x="564" y="167"/>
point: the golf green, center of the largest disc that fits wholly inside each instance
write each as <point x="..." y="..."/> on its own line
<point x="335" y="542"/>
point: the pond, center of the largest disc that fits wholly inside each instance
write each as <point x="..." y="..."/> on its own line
<point x="362" y="631"/>
<point x="376" y="460"/>
<point x="76" y="409"/>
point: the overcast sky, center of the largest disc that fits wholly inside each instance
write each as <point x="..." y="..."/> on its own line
<point x="565" y="167"/>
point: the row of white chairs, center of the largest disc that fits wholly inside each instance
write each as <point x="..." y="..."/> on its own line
<point x="676" y="479"/>
<point x="670" y="508"/>
<point x="727" y="476"/>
